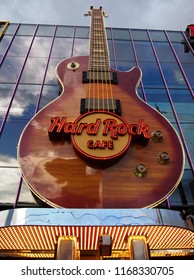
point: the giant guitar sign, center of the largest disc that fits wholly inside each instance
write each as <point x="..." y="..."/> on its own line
<point x="98" y="145"/>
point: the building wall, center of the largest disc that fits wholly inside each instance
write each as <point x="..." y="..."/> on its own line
<point x="28" y="57"/>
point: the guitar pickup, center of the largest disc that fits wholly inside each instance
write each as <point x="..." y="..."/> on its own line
<point x="99" y="77"/>
<point x="95" y="104"/>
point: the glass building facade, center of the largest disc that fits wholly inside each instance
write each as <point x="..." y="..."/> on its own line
<point x="29" y="55"/>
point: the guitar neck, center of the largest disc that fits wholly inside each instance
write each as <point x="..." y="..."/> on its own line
<point x="99" y="55"/>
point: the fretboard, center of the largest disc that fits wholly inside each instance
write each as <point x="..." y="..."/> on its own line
<point x="99" y="55"/>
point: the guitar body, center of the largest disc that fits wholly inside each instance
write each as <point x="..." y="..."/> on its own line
<point x="60" y="177"/>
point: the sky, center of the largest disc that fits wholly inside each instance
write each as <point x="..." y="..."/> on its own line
<point x="144" y="14"/>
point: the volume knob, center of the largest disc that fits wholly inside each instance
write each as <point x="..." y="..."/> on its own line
<point x="140" y="170"/>
<point x="157" y="136"/>
<point x="163" y="158"/>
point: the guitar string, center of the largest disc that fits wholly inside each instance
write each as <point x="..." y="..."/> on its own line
<point x="97" y="50"/>
<point x="104" y="65"/>
<point x="94" y="64"/>
<point x="101" y="50"/>
<point x="89" y="68"/>
<point x="99" y="64"/>
<point x="108" y="77"/>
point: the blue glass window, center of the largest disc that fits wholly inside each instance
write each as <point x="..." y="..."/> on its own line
<point x="41" y="47"/>
<point x="6" y="91"/>
<point x="34" y="70"/>
<point x="173" y="75"/>
<point x="144" y="51"/>
<point x="20" y="46"/>
<point x="65" y="31"/>
<point x="11" y="29"/>
<point x="189" y="136"/>
<point x="4" y="44"/>
<point x="124" y="50"/>
<point x="10" y="69"/>
<point x="26" y="29"/>
<point x="139" y="35"/>
<point x="62" y="48"/>
<point x="51" y="78"/>
<point x="164" y="52"/>
<point x="49" y="93"/>
<point x="81" y="47"/>
<point x="82" y="32"/>
<point x="158" y="35"/>
<point x="151" y="74"/>
<point x="45" y="30"/>
<point x="159" y="100"/>
<point x="9" y="180"/>
<point x="24" y="103"/>
<point x="121" y="34"/>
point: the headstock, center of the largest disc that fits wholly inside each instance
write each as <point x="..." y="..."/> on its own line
<point x="89" y="12"/>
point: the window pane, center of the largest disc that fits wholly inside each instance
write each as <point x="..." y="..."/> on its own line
<point x="10" y="136"/>
<point x="11" y="29"/>
<point x="62" y="48"/>
<point x="20" y="46"/>
<point x="184" y="105"/>
<point x="82" y="32"/>
<point x="45" y="30"/>
<point x="158" y="99"/>
<point x="164" y="52"/>
<point x="108" y="33"/>
<point x="144" y="51"/>
<point x="26" y="195"/>
<point x="9" y="181"/>
<point x="187" y="184"/>
<point x="51" y="76"/>
<point x="34" y="70"/>
<point x="81" y="47"/>
<point x="151" y="75"/>
<point x="181" y="96"/>
<point x="139" y="35"/>
<point x="125" y="65"/>
<point x="49" y="93"/>
<point x="4" y="44"/>
<point x="121" y="34"/>
<point x="188" y="130"/>
<point x="175" y="36"/>
<point x="41" y="47"/>
<point x="189" y="71"/>
<point x="65" y="31"/>
<point x="5" y="95"/>
<point x="26" y="29"/>
<point x="173" y="75"/>
<point x="157" y="35"/>
<point x="10" y="69"/>
<point x="124" y="50"/>
<point x="183" y="57"/>
<point x="24" y="103"/>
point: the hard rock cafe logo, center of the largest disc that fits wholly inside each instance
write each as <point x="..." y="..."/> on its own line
<point x="98" y="135"/>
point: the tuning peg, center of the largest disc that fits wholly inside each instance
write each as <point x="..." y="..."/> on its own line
<point x="88" y="13"/>
<point x="105" y="15"/>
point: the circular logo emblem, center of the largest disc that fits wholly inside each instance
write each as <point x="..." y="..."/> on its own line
<point x="101" y="136"/>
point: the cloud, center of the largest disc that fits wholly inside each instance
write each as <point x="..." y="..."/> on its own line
<point x="153" y="14"/>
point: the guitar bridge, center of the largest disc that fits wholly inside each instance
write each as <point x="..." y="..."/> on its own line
<point x="95" y="104"/>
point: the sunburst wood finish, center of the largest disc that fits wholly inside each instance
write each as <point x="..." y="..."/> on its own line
<point x="58" y="176"/>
